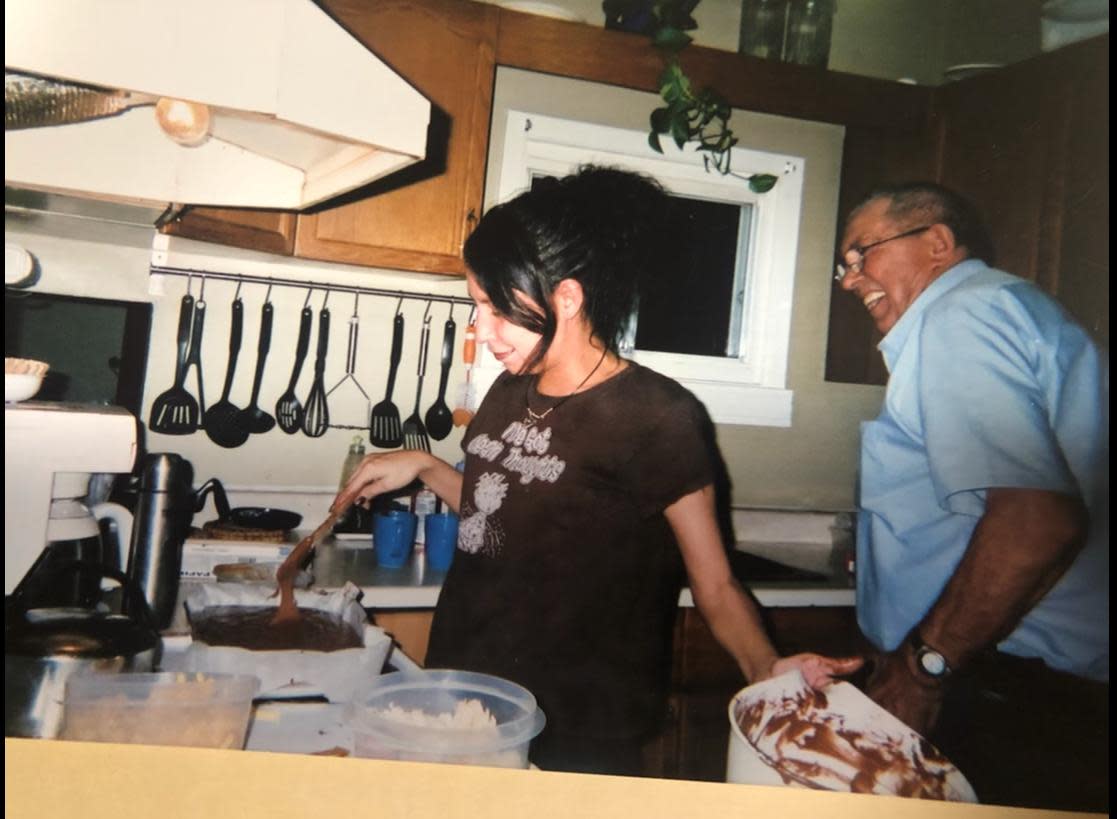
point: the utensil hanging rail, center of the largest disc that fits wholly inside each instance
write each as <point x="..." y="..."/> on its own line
<point x="304" y="285"/>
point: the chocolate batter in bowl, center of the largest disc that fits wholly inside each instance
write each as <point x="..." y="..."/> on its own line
<point x="785" y="732"/>
<point x="328" y="650"/>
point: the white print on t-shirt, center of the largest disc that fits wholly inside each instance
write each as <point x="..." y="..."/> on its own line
<point x="489" y="497"/>
<point x="526" y="456"/>
<point x="521" y="450"/>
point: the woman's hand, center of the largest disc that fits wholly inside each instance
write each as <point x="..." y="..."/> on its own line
<point x="382" y="472"/>
<point x="817" y="670"/>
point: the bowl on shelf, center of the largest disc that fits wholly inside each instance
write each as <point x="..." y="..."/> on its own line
<point x="22" y="378"/>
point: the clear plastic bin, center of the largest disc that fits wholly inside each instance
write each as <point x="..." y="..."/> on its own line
<point x="446" y="716"/>
<point x="168" y="708"/>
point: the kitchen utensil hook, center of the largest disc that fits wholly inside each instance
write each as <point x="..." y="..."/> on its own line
<point x="309" y="292"/>
<point x="267" y="295"/>
<point x="399" y="305"/>
<point x="236" y="295"/>
<point x="472" y="315"/>
<point x="326" y="299"/>
<point x="427" y="312"/>
<point x="202" y="292"/>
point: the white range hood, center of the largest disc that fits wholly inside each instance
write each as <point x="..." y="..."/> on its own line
<point x="299" y="111"/>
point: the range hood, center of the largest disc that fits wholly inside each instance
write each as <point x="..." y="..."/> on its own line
<point x="291" y="109"/>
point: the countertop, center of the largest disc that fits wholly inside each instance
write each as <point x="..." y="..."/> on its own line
<point x="416" y="586"/>
<point x="96" y="780"/>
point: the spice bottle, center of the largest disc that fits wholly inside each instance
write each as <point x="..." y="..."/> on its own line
<point x="423" y="503"/>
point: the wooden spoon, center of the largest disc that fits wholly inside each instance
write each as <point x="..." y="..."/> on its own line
<point x="289" y="569"/>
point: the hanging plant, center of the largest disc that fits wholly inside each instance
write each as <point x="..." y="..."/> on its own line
<point x="687" y="115"/>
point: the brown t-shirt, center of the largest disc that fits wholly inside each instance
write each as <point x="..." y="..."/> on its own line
<point x="567" y="576"/>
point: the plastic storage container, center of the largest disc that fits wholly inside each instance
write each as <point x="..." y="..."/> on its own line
<point x="179" y="708"/>
<point x="436" y="716"/>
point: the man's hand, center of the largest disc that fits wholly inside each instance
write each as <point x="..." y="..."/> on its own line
<point x="894" y="686"/>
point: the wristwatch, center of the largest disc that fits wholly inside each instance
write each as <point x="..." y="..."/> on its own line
<point x="931" y="663"/>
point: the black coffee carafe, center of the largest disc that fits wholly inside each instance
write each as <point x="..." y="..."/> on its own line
<point x="164" y="511"/>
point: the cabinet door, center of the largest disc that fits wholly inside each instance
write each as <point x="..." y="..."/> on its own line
<point x="270" y="231"/>
<point x="1029" y="146"/>
<point x="418" y="218"/>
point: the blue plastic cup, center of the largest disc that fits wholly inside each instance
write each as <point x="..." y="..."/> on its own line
<point x="393" y="534"/>
<point x="442" y="539"/>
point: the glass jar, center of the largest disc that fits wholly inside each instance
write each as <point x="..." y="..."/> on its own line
<point x="809" y="23"/>
<point x="762" y="28"/>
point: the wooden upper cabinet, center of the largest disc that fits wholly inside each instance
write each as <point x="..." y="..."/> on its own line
<point x="418" y="218"/>
<point x="270" y="231"/>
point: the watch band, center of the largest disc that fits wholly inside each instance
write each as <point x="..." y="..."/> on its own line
<point x="930" y="662"/>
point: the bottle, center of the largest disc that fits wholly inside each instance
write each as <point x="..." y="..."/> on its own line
<point x="356" y="519"/>
<point x="424" y="503"/>
<point x="352" y="461"/>
<point x="762" y="28"/>
<point x="808" y="32"/>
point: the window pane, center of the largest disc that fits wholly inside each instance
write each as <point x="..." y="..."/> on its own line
<point x="696" y="306"/>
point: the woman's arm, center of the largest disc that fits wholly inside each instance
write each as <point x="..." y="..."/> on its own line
<point x="732" y="616"/>
<point x="385" y="472"/>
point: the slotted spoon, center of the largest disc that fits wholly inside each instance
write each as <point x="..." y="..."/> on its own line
<point x="288" y="410"/>
<point x="414" y="433"/>
<point x="316" y="419"/>
<point x="224" y="423"/>
<point x="175" y="412"/>
<point x="384" y="424"/>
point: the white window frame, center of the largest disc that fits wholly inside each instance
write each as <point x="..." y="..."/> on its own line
<point x="750" y="389"/>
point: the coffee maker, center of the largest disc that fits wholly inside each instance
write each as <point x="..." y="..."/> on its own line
<point x="50" y="452"/>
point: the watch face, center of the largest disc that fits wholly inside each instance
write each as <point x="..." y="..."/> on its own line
<point x="932" y="662"/>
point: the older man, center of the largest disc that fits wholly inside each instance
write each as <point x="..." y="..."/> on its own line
<point x="983" y="551"/>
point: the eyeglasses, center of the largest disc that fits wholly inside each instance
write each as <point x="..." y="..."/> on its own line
<point x="843" y="268"/>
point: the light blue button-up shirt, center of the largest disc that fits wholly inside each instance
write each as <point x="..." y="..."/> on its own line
<point x="991" y="385"/>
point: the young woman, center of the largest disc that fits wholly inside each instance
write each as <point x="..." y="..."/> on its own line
<point x="586" y="477"/>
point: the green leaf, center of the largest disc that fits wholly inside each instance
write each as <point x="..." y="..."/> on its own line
<point x="660" y="121"/>
<point x="653" y="142"/>
<point x="762" y="182"/>
<point x="670" y="39"/>
<point x="680" y="131"/>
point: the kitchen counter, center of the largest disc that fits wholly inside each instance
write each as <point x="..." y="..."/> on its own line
<point x="416" y="587"/>
<point x="97" y="780"/>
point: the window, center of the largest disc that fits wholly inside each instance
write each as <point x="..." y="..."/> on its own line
<point x="721" y="327"/>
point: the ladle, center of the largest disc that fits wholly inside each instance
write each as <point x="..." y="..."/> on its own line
<point x="439" y="418"/>
<point x="224" y="423"/>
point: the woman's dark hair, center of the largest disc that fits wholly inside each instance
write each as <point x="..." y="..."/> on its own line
<point x="931" y="203"/>
<point x="599" y="226"/>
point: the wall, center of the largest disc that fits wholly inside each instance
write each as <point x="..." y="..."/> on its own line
<point x="887" y="39"/>
<point x="812" y="464"/>
<point x="87" y="258"/>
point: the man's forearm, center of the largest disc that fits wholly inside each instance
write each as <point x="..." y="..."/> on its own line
<point x="1023" y="544"/>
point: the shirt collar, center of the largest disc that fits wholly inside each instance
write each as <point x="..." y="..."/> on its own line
<point x="891" y="345"/>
